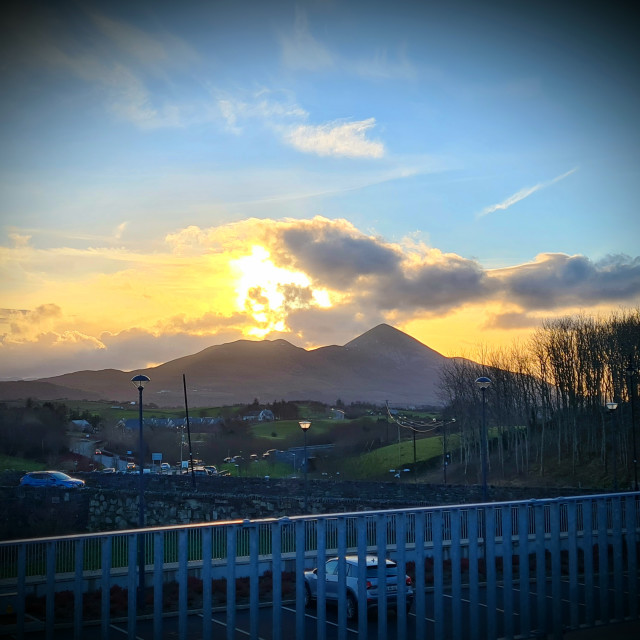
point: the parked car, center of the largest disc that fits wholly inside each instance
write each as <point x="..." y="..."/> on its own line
<point x="109" y="470"/>
<point x="50" y="479"/>
<point x="211" y="469"/>
<point x="165" y="467"/>
<point x="371" y="576"/>
<point x="198" y="471"/>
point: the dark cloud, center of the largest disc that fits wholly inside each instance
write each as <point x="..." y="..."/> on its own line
<point x="556" y="280"/>
<point x="336" y="256"/>
<point x="447" y="284"/>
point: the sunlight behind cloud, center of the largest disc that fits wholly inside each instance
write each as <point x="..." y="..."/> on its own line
<point x="268" y="293"/>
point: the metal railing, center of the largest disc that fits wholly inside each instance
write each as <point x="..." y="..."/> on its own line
<point x="583" y="551"/>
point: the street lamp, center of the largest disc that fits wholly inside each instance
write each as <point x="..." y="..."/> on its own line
<point x="631" y="373"/>
<point x="139" y="382"/>
<point x="304" y="425"/>
<point x="611" y="407"/>
<point x="483" y="382"/>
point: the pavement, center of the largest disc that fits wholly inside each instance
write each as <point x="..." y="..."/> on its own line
<point x="614" y="631"/>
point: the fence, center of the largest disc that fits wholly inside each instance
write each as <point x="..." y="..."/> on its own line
<point x="462" y="559"/>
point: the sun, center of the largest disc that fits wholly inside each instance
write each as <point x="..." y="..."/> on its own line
<point x="267" y="292"/>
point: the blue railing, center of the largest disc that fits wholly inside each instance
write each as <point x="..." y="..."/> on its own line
<point x="575" y="558"/>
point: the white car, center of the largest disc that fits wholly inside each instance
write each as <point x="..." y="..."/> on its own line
<point x="371" y="576"/>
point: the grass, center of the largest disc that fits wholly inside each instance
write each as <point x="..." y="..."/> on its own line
<point x="7" y="463"/>
<point x="289" y="430"/>
<point x="259" y="469"/>
<point x="377" y="463"/>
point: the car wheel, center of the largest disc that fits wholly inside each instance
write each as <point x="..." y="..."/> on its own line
<point x="308" y="600"/>
<point x="352" y="607"/>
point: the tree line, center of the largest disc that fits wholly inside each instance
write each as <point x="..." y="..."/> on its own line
<point x="546" y="405"/>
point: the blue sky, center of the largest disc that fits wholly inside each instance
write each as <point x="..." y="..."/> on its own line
<point x="461" y="171"/>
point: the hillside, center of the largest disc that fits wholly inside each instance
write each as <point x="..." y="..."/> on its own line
<point x="382" y="364"/>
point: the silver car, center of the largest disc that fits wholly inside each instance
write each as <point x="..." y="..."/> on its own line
<point x="371" y="576"/>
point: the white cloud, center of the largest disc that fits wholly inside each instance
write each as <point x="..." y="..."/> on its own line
<point x="522" y="194"/>
<point x="337" y="139"/>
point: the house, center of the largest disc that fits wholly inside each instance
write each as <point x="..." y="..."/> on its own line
<point x="81" y="425"/>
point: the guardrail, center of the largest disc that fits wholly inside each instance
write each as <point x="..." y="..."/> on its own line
<point x="585" y="546"/>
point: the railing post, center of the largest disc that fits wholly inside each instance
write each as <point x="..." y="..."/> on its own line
<point x="523" y="566"/>
<point x="300" y="567"/>
<point x="618" y="598"/>
<point x="132" y="596"/>
<point x="206" y="582"/>
<point x="362" y="573"/>
<point x="474" y="599"/>
<point x="603" y="560"/>
<point x="231" y="581"/>
<point x="381" y="543"/>
<point x="438" y="575"/>
<point x="342" y="579"/>
<point x="158" y="566"/>
<point x="556" y="570"/>
<point x="254" y="581"/>
<point x="456" y="579"/>
<point x="572" y="541"/>
<point x="77" y="589"/>
<point x="51" y="591"/>
<point x="541" y="569"/>
<point x="632" y="523"/>
<point x="106" y="587"/>
<point x="321" y="602"/>
<point x="490" y="567"/>
<point x="183" y="565"/>
<point x="276" y="570"/>
<point x="587" y="546"/>
<point x="507" y="570"/>
<point x="401" y="542"/>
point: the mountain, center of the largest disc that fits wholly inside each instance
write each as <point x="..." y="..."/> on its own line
<point x="381" y="364"/>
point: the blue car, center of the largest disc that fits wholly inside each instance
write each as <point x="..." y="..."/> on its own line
<point x="50" y="479"/>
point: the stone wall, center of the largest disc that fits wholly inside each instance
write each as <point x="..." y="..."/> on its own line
<point x="110" y="501"/>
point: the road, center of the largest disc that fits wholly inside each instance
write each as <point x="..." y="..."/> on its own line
<point x="450" y="624"/>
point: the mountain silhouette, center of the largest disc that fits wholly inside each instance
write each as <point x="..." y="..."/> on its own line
<point x="383" y="364"/>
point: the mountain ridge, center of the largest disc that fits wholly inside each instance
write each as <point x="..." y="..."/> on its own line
<point x="382" y="364"/>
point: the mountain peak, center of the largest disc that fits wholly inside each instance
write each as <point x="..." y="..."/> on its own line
<point x="383" y="334"/>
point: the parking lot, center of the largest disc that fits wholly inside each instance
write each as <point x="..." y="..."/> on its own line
<point x="448" y="626"/>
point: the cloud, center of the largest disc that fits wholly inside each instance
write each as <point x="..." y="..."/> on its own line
<point x="382" y="64"/>
<point x="300" y="50"/>
<point x="346" y="139"/>
<point x="327" y="282"/>
<point x="554" y="280"/>
<point x="333" y="252"/>
<point x="512" y="320"/>
<point x="522" y="194"/>
<point x="121" y="60"/>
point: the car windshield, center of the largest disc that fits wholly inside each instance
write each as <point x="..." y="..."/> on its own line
<point x="58" y="475"/>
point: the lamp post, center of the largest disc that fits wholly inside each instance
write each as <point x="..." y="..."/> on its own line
<point x="483" y="382"/>
<point x="139" y="382"/>
<point x="304" y="425"/>
<point x="611" y="407"/>
<point x="631" y="374"/>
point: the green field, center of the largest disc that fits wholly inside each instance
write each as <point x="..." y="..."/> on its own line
<point x="8" y="463"/>
<point x="289" y="430"/>
<point x="398" y="456"/>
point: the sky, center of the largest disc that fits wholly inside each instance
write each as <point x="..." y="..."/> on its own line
<point x="179" y="175"/>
